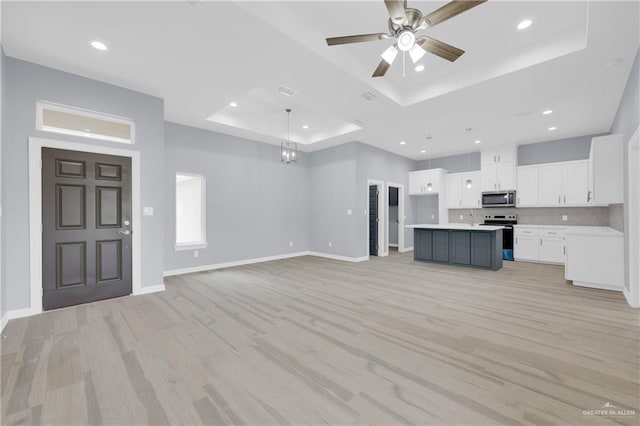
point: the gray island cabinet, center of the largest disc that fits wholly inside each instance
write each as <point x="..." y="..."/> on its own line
<point x="459" y="244"/>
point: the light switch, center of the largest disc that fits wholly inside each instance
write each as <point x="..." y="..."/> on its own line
<point x="461" y="217"/>
<point x="196" y="253"/>
<point x="290" y="243"/>
<point x="565" y="217"/>
<point x="349" y="212"/>
<point x="147" y="211"/>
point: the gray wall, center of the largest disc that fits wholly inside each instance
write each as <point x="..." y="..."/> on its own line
<point x="393" y="224"/>
<point x="28" y="83"/>
<point x="332" y="191"/>
<point x="255" y="204"/>
<point x="376" y="164"/>
<point x="577" y="216"/>
<point x="452" y="163"/>
<point x="626" y="122"/>
<point x="425" y="209"/>
<point x="569" y="149"/>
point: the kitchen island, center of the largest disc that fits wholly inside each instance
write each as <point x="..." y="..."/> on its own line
<point x="476" y="246"/>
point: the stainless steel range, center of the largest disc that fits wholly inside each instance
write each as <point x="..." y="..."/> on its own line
<point x="506" y="220"/>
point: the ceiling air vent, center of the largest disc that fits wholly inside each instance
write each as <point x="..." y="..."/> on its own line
<point x="368" y="96"/>
<point x="287" y="91"/>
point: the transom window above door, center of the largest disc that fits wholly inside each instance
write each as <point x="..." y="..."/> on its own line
<point x="88" y="124"/>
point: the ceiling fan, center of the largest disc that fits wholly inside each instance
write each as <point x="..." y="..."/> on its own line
<point x="404" y="22"/>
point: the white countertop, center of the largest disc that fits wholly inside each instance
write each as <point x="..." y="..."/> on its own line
<point x="578" y="230"/>
<point x="601" y="231"/>
<point x="544" y="226"/>
<point x="463" y="226"/>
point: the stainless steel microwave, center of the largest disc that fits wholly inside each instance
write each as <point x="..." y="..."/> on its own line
<point x="499" y="199"/>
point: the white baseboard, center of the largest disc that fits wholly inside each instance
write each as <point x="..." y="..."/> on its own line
<point x="16" y="313"/>
<point x="406" y="249"/>
<point x="3" y="321"/>
<point x="337" y="257"/>
<point x="598" y="286"/>
<point x="149" y="289"/>
<point x="393" y="245"/>
<point x="627" y="295"/>
<point x="233" y="263"/>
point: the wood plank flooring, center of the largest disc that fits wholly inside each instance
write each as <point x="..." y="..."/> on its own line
<point x="310" y="341"/>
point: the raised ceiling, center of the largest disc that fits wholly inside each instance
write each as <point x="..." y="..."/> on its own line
<point x="199" y="57"/>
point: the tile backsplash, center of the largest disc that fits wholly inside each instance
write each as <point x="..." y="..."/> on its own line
<point x="581" y="216"/>
<point x="616" y="217"/>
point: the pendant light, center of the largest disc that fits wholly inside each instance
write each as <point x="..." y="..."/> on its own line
<point x="429" y="185"/>
<point x="469" y="183"/>
<point x="288" y="149"/>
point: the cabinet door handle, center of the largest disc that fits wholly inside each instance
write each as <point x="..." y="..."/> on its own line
<point x="558" y="199"/>
<point x="565" y="199"/>
<point x="498" y="158"/>
<point x="516" y="240"/>
<point x="494" y="159"/>
<point x="564" y="250"/>
<point x="588" y="196"/>
<point x="518" y="200"/>
<point x="541" y="241"/>
<point x="552" y="233"/>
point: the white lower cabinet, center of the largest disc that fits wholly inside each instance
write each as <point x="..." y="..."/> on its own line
<point x="539" y="244"/>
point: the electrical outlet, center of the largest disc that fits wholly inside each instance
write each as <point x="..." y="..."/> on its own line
<point x="565" y="217"/>
<point x="461" y="217"/>
<point x="290" y="243"/>
<point x="330" y="244"/>
<point x="147" y="211"/>
<point x="196" y="253"/>
<point x="433" y="216"/>
<point x="349" y="212"/>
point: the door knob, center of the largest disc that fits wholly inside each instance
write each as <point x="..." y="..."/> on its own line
<point x="124" y="232"/>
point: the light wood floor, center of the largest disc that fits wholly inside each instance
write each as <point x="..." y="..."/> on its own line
<point x="315" y="341"/>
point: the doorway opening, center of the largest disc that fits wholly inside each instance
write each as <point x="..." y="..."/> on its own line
<point x="376" y="218"/>
<point x="632" y="282"/>
<point x="395" y="214"/>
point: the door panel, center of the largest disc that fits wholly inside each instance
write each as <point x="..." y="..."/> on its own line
<point x="461" y="247"/>
<point x="550" y="185"/>
<point x="86" y="198"/>
<point x="575" y="182"/>
<point x="373" y="220"/>
<point x="440" y="246"/>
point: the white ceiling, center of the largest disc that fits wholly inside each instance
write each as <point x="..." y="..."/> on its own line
<point x="574" y="59"/>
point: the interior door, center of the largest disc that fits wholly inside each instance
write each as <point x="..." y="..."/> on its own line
<point x="373" y="220"/>
<point x="86" y="227"/>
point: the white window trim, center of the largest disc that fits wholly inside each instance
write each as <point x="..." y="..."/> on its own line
<point x="42" y="105"/>
<point x="193" y="245"/>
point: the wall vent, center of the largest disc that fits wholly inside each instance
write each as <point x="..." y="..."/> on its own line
<point x="287" y="91"/>
<point x="368" y="96"/>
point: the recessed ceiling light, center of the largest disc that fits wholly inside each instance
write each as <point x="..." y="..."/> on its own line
<point x="403" y="142"/>
<point x="305" y="126"/>
<point x="552" y="128"/>
<point x="524" y="24"/>
<point x="547" y="112"/>
<point x="478" y="141"/>
<point x="233" y="104"/>
<point x="419" y="68"/>
<point x="98" y="45"/>
<point x="423" y="151"/>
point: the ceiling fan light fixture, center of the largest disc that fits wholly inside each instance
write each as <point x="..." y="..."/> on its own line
<point x="390" y="54"/>
<point x="416" y="53"/>
<point x="406" y="40"/>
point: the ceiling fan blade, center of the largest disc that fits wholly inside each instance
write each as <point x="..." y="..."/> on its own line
<point x="383" y="66"/>
<point x="332" y="41"/>
<point x="396" y="10"/>
<point x="448" y="11"/>
<point x="439" y="48"/>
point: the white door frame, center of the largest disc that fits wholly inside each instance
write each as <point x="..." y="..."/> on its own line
<point x="400" y="215"/>
<point x="35" y="211"/>
<point x="633" y="233"/>
<point x="383" y="250"/>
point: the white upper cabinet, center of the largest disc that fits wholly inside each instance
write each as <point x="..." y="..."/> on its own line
<point x="606" y="164"/>
<point x="575" y="184"/>
<point x="426" y="182"/>
<point x="502" y="155"/>
<point x="459" y="195"/>
<point x="550" y="185"/>
<point x="527" y="192"/>
<point x="554" y="185"/>
<point x="498" y="169"/>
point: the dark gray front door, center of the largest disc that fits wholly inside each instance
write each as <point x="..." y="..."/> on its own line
<point x="86" y="227"/>
<point x="373" y="220"/>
